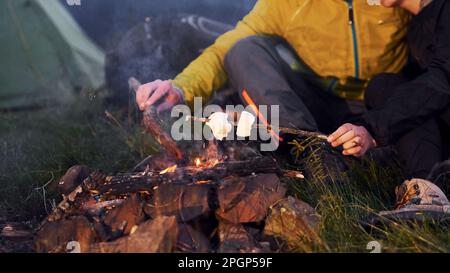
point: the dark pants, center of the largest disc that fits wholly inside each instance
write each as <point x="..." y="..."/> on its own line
<point x="420" y="149"/>
<point x="255" y="64"/>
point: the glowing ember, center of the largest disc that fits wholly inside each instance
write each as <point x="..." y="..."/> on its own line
<point x="198" y="162"/>
<point x="169" y="170"/>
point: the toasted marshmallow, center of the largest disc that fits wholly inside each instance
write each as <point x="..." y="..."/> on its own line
<point x="220" y="125"/>
<point x="245" y="124"/>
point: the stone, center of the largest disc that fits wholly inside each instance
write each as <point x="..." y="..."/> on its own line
<point x="294" y="221"/>
<point x="186" y="202"/>
<point x="15" y="231"/>
<point x="127" y="215"/>
<point x="248" y="199"/>
<point x="229" y="192"/>
<point x="191" y="240"/>
<point x="73" y="178"/>
<point x="153" y="236"/>
<point x="55" y="236"/>
<point x="234" y="238"/>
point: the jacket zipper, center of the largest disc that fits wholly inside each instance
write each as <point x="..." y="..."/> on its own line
<point x="351" y="21"/>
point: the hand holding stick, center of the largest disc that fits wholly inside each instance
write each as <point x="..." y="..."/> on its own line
<point x="152" y="125"/>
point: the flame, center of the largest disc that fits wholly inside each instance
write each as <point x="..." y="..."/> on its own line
<point x="169" y="170"/>
<point x="252" y="105"/>
<point x="215" y="162"/>
<point x="198" y="162"/>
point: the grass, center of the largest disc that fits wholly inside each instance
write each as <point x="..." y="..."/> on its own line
<point x="38" y="147"/>
<point x="364" y="189"/>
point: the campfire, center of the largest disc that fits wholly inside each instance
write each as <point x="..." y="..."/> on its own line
<point x="223" y="197"/>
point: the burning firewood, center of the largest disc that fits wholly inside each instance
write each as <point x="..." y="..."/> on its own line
<point x="141" y="182"/>
<point x="186" y="201"/>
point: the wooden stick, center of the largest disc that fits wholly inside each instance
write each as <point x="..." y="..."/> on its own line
<point x="152" y="125"/>
<point x="301" y="133"/>
<point x="281" y="129"/>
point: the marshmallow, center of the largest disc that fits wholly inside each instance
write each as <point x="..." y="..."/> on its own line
<point x="245" y="125"/>
<point x="219" y="124"/>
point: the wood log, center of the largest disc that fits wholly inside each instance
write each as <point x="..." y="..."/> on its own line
<point x="141" y="182"/>
<point x="74" y="200"/>
<point x="152" y="125"/>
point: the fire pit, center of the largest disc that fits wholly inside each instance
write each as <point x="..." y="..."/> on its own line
<point x="225" y="198"/>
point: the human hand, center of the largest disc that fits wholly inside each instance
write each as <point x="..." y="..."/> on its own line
<point x="162" y="92"/>
<point x="355" y="140"/>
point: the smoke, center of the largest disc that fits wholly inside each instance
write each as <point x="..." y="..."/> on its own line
<point x="106" y="20"/>
<point x="118" y="27"/>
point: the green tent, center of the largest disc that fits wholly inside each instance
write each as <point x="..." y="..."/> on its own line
<point x="44" y="55"/>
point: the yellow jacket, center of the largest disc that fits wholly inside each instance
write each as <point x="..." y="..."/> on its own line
<point x="346" y="39"/>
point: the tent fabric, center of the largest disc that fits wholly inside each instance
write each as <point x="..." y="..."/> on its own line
<point x="45" y="56"/>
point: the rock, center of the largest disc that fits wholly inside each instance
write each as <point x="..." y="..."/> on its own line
<point x="126" y="216"/>
<point x="186" y="202"/>
<point x="234" y="238"/>
<point x="54" y="236"/>
<point x="229" y="192"/>
<point x="153" y="236"/>
<point x="246" y="200"/>
<point x="241" y="152"/>
<point x="72" y="179"/>
<point x="102" y="231"/>
<point x="191" y="240"/>
<point x="294" y="221"/>
<point x="16" y="231"/>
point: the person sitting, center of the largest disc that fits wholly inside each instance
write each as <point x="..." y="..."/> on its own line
<point x="312" y="58"/>
<point x="411" y="110"/>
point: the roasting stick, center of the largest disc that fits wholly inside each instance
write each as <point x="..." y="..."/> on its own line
<point x="281" y="129"/>
<point x="152" y="125"/>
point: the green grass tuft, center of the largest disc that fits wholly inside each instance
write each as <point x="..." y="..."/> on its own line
<point x="364" y="189"/>
<point x="38" y="147"/>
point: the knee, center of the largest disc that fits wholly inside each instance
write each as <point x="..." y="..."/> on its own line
<point x="241" y="51"/>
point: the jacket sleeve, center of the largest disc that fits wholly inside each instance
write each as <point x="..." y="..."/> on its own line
<point x="206" y="73"/>
<point x="417" y="101"/>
